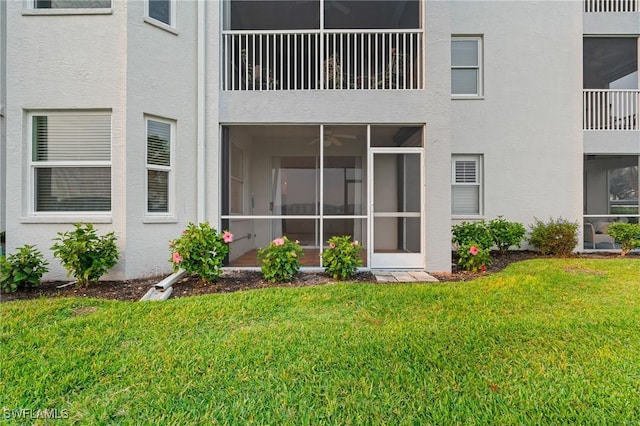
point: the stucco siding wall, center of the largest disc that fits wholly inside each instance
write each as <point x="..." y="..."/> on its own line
<point x="161" y="82"/>
<point x="528" y="126"/>
<point x="62" y="62"/>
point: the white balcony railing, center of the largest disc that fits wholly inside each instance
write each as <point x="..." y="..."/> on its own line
<point x="612" y="5"/>
<point x="611" y="109"/>
<point x="323" y="60"/>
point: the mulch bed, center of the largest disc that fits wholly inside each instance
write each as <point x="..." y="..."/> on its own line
<point x="242" y="280"/>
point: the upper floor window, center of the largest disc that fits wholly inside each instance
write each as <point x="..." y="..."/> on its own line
<point x="71" y="4"/>
<point x="466" y="185"/>
<point x="70" y="161"/>
<point x="336" y="14"/>
<point x="162" y="11"/>
<point x="159" y="165"/>
<point x="466" y="66"/>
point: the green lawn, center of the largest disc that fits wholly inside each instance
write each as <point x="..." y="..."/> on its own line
<point x="544" y="342"/>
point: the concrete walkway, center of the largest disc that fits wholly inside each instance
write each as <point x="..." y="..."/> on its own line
<point x="403" y="276"/>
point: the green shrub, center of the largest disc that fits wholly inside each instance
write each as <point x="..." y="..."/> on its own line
<point x="280" y="260"/>
<point x="477" y="233"/>
<point x="84" y="254"/>
<point x="557" y="237"/>
<point x="506" y="234"/>
<point x="472" y="257"/>
<point x="201" y="250"/>
<point x="627" y="234"/>
<point x="342" y="258"/>
<point x="22" y="269"/>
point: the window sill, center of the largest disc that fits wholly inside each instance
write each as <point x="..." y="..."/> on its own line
<point x="468" y="217"/>
<point x="161" y="25"/>
<point x="159" y="219"/>
<point x="467" y="98"/>
<point x="54" y="12"/>
<point x="67" y="219"/>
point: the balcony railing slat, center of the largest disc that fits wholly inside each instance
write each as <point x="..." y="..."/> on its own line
<point x="322" y="60"/>
<point x="611" y="109"/>
<point x="614" y="6"/>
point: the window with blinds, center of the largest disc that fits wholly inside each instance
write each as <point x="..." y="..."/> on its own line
<point x="466" y="188"/>
<point x="159" y="165"/>
<point x="71" y="162"/>
<point x="466" y="62"/>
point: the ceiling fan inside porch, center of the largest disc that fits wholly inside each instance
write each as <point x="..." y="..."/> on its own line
<point x="333" y="139"/>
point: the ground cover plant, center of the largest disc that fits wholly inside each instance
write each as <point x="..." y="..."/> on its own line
<point x="546" y="341"/>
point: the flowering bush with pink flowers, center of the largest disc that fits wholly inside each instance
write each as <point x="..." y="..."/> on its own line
<point x="342" y="258"/>
<point x="280" y="259"/>
<point x="472" y="257"/>
<point x="201" y="250"/>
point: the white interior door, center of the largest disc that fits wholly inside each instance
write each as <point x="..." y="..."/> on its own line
<point x="396" y="208"/>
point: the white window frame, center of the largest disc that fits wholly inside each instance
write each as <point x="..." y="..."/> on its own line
<point x="72" y="215"/>
<point x="478" y="68"/>
<point x="31" y="9"/>
<point x="478" y="159"/>
<point x="171" y="26"/>
<point x="171" y="191"/>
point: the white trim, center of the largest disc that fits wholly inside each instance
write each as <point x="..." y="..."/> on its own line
<point x="66" y="218"/>
<point x="479" y="68"/>
<point x="479" y="160"/>
<point x="69" y="216"/>
<point x="168" y="26"/>
<point x="171" y="186"/>
<point x="30" y="9"/>
<point x="395" y="260"/>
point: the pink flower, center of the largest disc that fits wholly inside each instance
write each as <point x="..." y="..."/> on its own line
<point x="227" y="237"/>
<point x="184" y="232"/>
<point x="332" y="245"/>
<point x="484" y="268"/>
<point x="355" y="243"/>
<point x="473" y="250"/>
<point x="278" y="242"/>
<point x="176" y="258"/>
<point x="297" y="241"/>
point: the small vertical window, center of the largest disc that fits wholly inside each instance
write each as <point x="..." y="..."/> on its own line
<point x="162" y="11"/>
<point x="466" y="66"/>
<point x="466" y="185"/>
<point x="236" y="172"/>
<point x="159" y="165"/>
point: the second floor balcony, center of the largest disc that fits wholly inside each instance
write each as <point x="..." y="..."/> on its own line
<point x="323" y="60"/>
<point x="322" y="45"/>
